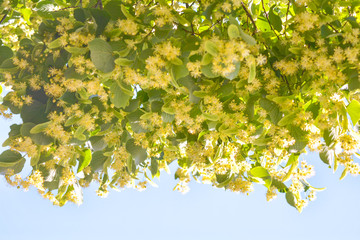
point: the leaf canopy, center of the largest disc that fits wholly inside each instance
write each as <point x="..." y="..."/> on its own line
<point x="233" y="92"/>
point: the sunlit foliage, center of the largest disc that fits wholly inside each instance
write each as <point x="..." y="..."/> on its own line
<point x="232" y="92"/>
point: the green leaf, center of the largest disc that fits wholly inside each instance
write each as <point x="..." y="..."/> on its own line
<point x="114" y="9"/>
<point x="177" y="61"/>
<point x="247" y="38"/>
<point x="330" y="136"/>
<point x="79" y="14"/>
<point x="262" y="141"/>
<point x="34" y="160"/>
<point x="85" y="159"/>
<point x="101" y="17"/>
<point x="288" y="119"/>
<point x="126" y="13"/>
<point x="295" y="50"/>
<point x="26" y="13"/>
<point x="225" y="90"/>
<point x="39" y="128"/>
<point x="8" y="66"/>
<point x="183" y="21"/>
<point x="259" y="172"/>
<point x="327" y="156"/>
<point x="206" y="59"/>
<point x="179" y="71"/>
<point x="275" y="20"/>
<point x="272" y="108"/>
<point x="294" y="166"/>
<point x="101" y="55"/>
<point x="71" y="120"/>
<point x="137" y="152"/>
<point x="207" y="71"/>
<point x="77" y="50"/>
<point x="166" y="108"/>
<point x="300" y="138"/>
<point x="97" y="161"/>
<point x="293" y="157"/>
<point x="98" y="143"/>
<point x="123" y="62"/>
<point x="226" y="181"/>
<point x="279" y="185"/>
<point x="35" y="113"/>
<point x="211" y="48"/>
<point x="252" y="73"/>
<point x="290" y="198"/>
<point x="354" y="81"/>
<point x="39" y="138"/>
<point x="343" y="174"/>
<point x="200" y="94"/>
<point x="354" y="111"/>
<point x="154" y="167"/>
<point x="314" y="109"/>
<point x="233" y="31"/>
<point x="5" y="53"/>
<point x="211" y="117"/>
<point x="55" y="44"/>
<point x="11" y="160"/>
<point x="79" y="133"/>
<point x="127" y="89"/>
<point x="118" y="97"/>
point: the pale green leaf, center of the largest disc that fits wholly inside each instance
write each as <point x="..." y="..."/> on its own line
<point x="259" y="172"/>
<point x="211" y="48"/>
<point x="233" y="31"/>
<point x="123" y="62"/>
<point x="354" y="111"/>
<point x="39" y="128"/>
<point x="55" y="44"/>
<point x="252" y="72"/>
<point x="101" y="55"/>
<point x="247" y="38"/>
<point x="85" y="159"/>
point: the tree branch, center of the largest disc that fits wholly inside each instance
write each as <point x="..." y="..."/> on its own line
<point x="249" y="16"/>
<point x="267" y="17"/>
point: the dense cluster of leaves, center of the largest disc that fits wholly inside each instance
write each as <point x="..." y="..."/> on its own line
<point x="233" y="91"/>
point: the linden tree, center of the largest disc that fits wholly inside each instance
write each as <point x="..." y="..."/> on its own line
<point x="232" y="92"/>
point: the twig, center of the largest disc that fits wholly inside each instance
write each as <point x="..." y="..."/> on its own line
<point x="267" y="17"/>
<point x="287" y="82"/>
<point x="3" y="18"/>
<point x="192" y="4"/>
<point x="287" y="13"/>
<point x="282" y="77"/>
<point x="99" y="4"/>
<point x="217" y="22"/>
<point x="192" y="32"/>
<point x="249" y="16"/>
<point x="147" y="35"/>
<point x="332" y="27"/>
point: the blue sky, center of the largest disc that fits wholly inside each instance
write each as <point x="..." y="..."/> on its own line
<point x="202" y="213"/>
